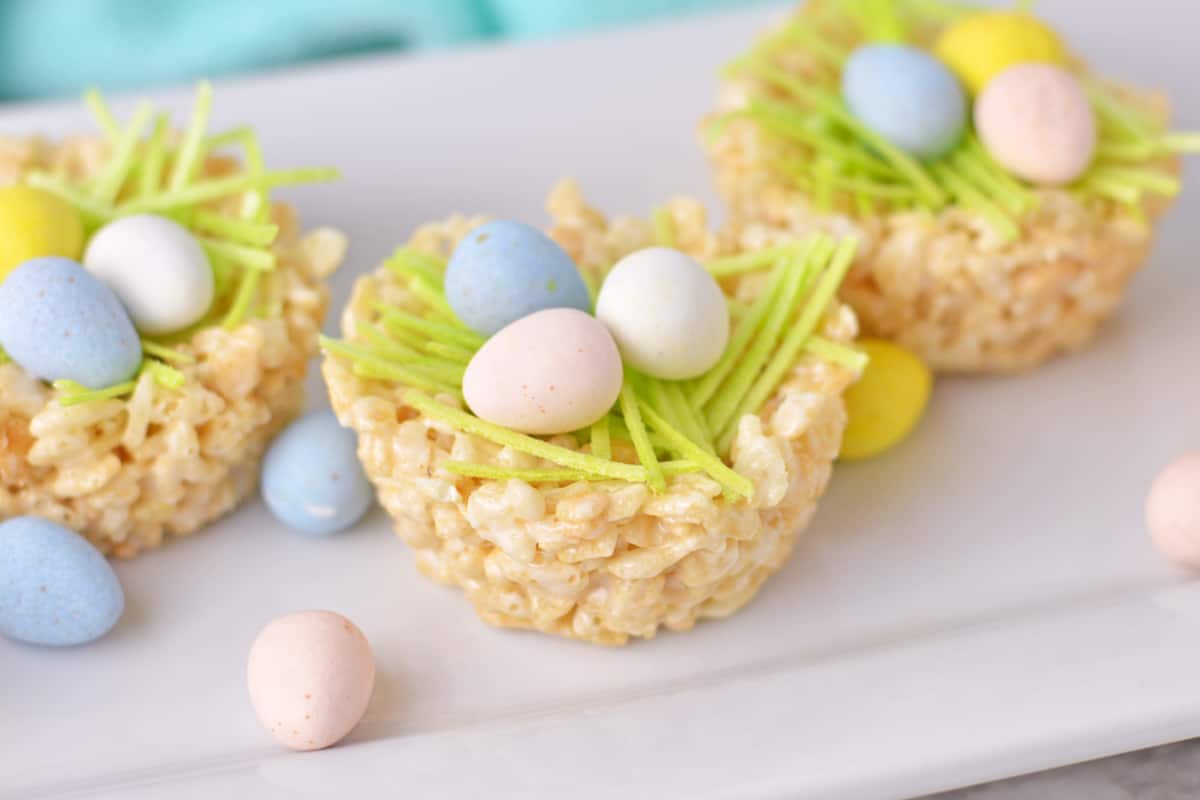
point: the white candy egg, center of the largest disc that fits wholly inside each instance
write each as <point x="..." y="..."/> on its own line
<point x="156" y="267"/>
<point x="666" y="313"/>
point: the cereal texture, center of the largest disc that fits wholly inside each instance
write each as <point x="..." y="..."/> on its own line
<point x="600" y="561"/>
<point x="946" y="285"/>
<point x="127" y="472"/>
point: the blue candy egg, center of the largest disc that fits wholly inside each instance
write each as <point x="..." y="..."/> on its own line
<point x="55" y="587"/>
<point x="503" y="271"/>
<point x="906" y="96"/>
<point x="311" y="478"/>
<point x="58" y="321"/>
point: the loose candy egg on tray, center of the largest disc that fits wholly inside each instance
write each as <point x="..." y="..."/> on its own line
<point x="666" y="313"/>
<point x="311" y="477"/>
<point x="55" y="587"/>
<point x="1037" y="122"/>
<point x="503" y="271"/>
<point x="58" y="321"/>
<point x="982" y="45"/>
<point x="1173" y="510"/>
<point x="157" y="268"/>
<point x="887" y="402"/>
<point x="906" y="96"/>
<point x="310" y="675"/>
<point x="33" y="224"/>
<point x="552" y="372"/>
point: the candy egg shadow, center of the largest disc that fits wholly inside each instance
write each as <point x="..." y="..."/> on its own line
<point x="384" y="711"/>
<point x="901" y="472"/>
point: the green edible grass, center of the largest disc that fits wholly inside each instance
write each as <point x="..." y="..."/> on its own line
<point x="394" y="319"/>
<point x="132" y="181"/>
<point x="601" y="438"/>
<point x="724" y="406"/>
<point x="561" y="475"/>
<point x="121" y="160"/>
<point x="842" y="165"/>
<point x="664" y="421"/>
<point x="664" y="228"/>
<point x="154" y="157"/>
<point x="245" y="232"/>
<point x="73" y="394"/>
<point x="632" y="412"/>
<point x="166" y="353"/>
<point x="813" y="312"/>
<point x="571" y="459"/>
<point x="187" y="161"/>
<point x="735" y="486"/>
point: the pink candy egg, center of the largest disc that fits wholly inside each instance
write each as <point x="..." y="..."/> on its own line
<point x="554" y="371"/>
<point x="1173" y="510"/>
<point x="310" y="677"/>
<point x="1037" y="122"/>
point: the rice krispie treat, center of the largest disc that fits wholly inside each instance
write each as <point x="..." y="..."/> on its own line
<point x="157" y="313"/>
<point x="1003" y="195"/>
<point x="562" y="491"/>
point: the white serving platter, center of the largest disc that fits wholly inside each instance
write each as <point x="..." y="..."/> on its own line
<point x="978" y="603"/>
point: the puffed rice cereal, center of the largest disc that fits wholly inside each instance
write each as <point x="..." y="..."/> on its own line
<point x="598" y="561"/>
<point x="126" y="472"/>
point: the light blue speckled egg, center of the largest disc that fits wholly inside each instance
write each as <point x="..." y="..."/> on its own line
<point x="58" y="321"/>
<point x="906" y="96"/>
<point x="503" y="271"/>
<point x="55" y="587"/>
<point x="311" y="478"/>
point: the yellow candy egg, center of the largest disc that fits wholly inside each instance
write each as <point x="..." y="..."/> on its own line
<point x="981" y="45"/>
<point x="34" y="223"/>
<point x="887" y="402"/>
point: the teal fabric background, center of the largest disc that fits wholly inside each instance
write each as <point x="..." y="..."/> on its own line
<point x="55" y="47"/>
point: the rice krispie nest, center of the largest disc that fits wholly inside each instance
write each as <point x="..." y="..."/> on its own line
<point x="970" y="287"/>
<point x="126" y="471"/>
<point x="600" y="561"/>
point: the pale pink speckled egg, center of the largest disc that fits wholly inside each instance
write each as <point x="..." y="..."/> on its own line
<point x="1037" y="122"/>
<point x="310" y="676"/>
<point x="1173" y="510"/>
<point x="553" y="371"/>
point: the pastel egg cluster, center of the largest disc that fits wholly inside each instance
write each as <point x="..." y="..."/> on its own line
<point x="551" y="367"/>
<point x="1031" y="113"/>
<point x="66" y="319"/>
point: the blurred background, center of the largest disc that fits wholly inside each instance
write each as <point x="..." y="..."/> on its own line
<point x="50" y="48"/>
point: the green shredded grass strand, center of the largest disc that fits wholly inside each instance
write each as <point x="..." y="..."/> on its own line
<point x="814" y="310"/>
<point x="735" y="486"/>
<point x="571" y="459"/>
<point x="631" y="411"/>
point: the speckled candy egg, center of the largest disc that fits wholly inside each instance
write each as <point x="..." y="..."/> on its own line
<point x="1173" y="510"/>
<point x="311" y="478"/>
<point x="157" y="269"/>
<point x="310" y="676"/>
<point x="886" y="403"/>
<point x="552" y="372"/>
<point x="667" y="314"/>
<point x="980" y="46"/>
<point x="1036" y="121"/>
<point x="33" y="224"/>
<point x="58" y="321"/>
<point x="503" y="271"/>
<point x="907" y="97"/>
<point x="55" y="587"/>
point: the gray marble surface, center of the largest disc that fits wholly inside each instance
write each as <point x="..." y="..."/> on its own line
<point x="1171" y="772"/>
